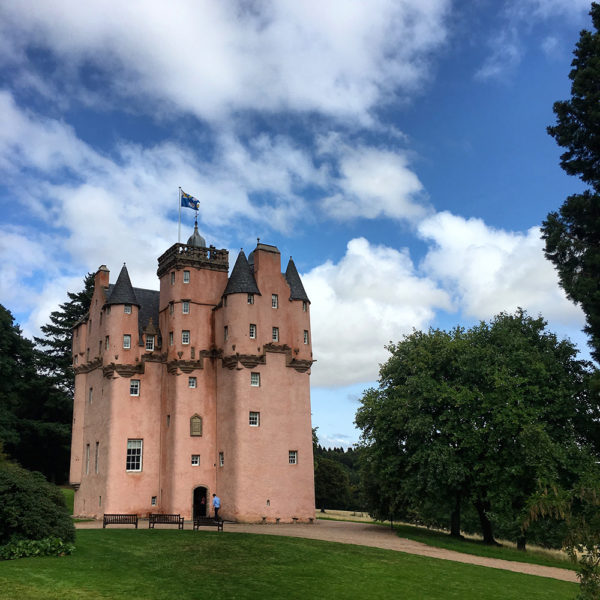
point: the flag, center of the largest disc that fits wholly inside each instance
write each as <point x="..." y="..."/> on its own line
<point x="188" y="201"/>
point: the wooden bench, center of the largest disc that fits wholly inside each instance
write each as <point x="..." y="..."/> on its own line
<point x="121" y="519"/>
<point x="163" y="519"/>
<point x="207" y="522"/>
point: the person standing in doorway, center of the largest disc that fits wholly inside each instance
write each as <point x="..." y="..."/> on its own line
<point x="216" y="505"/>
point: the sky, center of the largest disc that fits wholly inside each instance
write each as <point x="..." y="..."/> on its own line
<point x="396" y="149"/>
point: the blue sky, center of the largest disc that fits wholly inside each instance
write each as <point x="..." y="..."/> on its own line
<point x="397" y="150"/>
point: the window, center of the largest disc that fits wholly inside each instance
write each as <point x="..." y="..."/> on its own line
<point x="185" y="336"/>
<point x="134" y="387"/>
<point x="126" y="341"/>
<point x="306" y="336"/>
<point x="221" y="459"/>
<point x="153" y="501"/>
<point x="108" y="310"/>
<point x="195" y="460"/>
<point x="171" y="308"/>
<point x="172" y="277"/>
<point x="150" y="343"/>
<point x="100" y="347"/>
<point x="170" y="338"/>
<point x="87" y="355"/>
<point x="293" y="457"/>
<point x="168" y="420"/>
<point x="254" y="419"/>
<point x="186" y="277"/>
<point x="106" y="342"/>
<point x="252" y="331"/>
<point x="127" y="308"/>
<point x="185" y="307"/>
<point x="87" y="459"/>
<point x="196" y="426"/>
<point x="274" y="301"/>
<point x="250" y="298"/>
<point x="275" y="334"/>
<point x="254" y="379"/>
<point x="192" y="382"/>
<point x="134" y="455"/>
<point x="224" y="300"/>
<point x="304" y="306"/>
<point x="226" y="333"/>
<point x="90" y="395"/>
<point x="96" y="456"/>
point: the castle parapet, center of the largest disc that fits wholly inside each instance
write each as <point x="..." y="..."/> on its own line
<point x="179" y="256"/>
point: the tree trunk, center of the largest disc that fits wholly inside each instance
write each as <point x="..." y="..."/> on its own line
<point x="521" y="543"/>
<point x="486" y="525"/>
<point x="455" y="519"/>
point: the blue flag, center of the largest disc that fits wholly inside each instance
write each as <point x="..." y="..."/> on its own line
<point x="188" y="201"/>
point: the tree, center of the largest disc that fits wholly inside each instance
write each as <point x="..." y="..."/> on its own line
<point x="476" y="417"/>
<point x="572" y="235"/>
<point x="332" y="485"/>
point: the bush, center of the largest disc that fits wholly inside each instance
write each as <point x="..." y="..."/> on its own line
<point x="31" y="508"/>
<point x="50" y="546"/>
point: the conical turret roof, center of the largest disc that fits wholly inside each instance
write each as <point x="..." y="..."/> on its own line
<point x="242" y="280"/>
<point x="297" y="291"/>
<point x="196" y="240"/>
<point x="122" y="292"/>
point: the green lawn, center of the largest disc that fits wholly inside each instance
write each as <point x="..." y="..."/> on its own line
<point x="181" y="565"/>
<point x="69" y="495"/>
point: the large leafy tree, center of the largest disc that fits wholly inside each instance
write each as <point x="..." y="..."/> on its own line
<point x="473" y="418"/>
<point x="572" y="235"/>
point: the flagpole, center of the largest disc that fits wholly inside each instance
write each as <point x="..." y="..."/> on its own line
<point x="179" y="233"/>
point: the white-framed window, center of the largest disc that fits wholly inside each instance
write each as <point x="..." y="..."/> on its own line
<point x="127" y="341"/>
<point x="221" y="459"/>
<point x="106" y="342"/>
<point x="252" y="331"/>
<point x="255" y="379"/>
<point x="150" y="343"/>
<point x="254" y="419"/>
<point x="170" y="338"/>
<point x="171" y="308"/>
<point x="306" y="336"/>
<point x="293" y="457"/>
<point x="185" y="307"/>
<point x="185" y="336"/>
<point x="186" y="277"/>
<point x="153" y="500"/>
<point x="172" y="277"/>
<point x="134" y="387"/>
<point x="275" y="335"/>
<point x="226" y="332"/>
<point x="274" y="301"/>
<point x="90" y="395"/>
<point x="192" y="382"/>
<point x="250" y="298"/>
<point x="127" y="309"/>
<point x="134" y="455"/>
<point x="87" y="459"/>
<point x="195" y="460"/>
<point x="304" y="305"/>
<point x="97" y="456"/>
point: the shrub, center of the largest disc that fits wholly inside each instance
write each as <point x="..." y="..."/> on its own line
<point x="50" y="546"/>
<point x="31" y="508"/>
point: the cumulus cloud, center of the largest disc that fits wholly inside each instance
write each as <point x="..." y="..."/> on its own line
<point x="487" y="270"/>
<point x="373" y="295"/>
<point x="212" y="58"/>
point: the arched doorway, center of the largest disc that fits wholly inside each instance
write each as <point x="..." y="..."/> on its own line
<point x="200" y="502"/>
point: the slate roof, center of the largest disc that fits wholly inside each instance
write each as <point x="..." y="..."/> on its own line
<point x="297" y="291"/>
<point x="122" y="292"/>
<point x="241" y="280"/>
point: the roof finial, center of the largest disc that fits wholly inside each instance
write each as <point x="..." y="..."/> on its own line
<point x="258" y="240"/>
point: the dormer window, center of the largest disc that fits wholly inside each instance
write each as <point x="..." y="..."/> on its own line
<point x="127" y="309"/>
<point x="250" y="298"/>
<point x="150" y="343"/>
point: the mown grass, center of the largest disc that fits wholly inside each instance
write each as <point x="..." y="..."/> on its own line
<point x="153" y="565"/>
<point x="69" y="495"/>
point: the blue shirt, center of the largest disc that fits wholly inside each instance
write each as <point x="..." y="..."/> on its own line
<point x="216" y="502"/>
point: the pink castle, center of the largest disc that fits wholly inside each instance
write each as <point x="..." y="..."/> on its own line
<point x="199" y="388"/>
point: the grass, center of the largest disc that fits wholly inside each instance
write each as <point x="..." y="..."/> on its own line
<point x="439" y="539"/>
<point x="153" y="565"/>
<point x="69" y="495"/>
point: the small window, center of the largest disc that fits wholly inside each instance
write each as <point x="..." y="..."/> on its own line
<point x="306" y="336"/>
<point x="153" y="501"/>
<point x="126" y="341"/>
<point x="221" y="459"/>
<point x="185" y="307"/>
<point x="226" y="333"/>
<point x="250" y="298"/>
<point x="171" y="308"/>
<point x="87" y="355"/>
<point x="127" y="309"/>
<point x="100" y="347"/>
<point x="185" y="336"/>
<point x="96" y="456"/>
<point x="90" y="395"/>
<point x="134" y="455"/>
<point x="275" y="334"/>
<point x="255" y="379"/>
<point x="196" y="426"/>
<point x="170" y="338"/>
<point x="224" y="300"/>
<point x="87" y="459"/>
<point x="293" y="457"/>
<point x="195" y="460"/>
<point x="168" y="420"/>
<point x="186" y="277"/>
<point x="150" y="343"/>
<point x="134" y="387"/>
<point x="274" y="301"/>
<point x="192" y="382"/>
<point x="108" y="310"/>
<point x="106" y="342"/>
<point x="172" y="277"/>
<point x="254" y="419"/>
<point x="252" y="331"/>
<point x="304" y="305"/>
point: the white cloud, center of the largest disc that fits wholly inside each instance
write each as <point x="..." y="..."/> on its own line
<point x="505" y="55"/>
<point x="212" y="58"/>
<point x="488" y="270"/>
<point x="370" y="297"/>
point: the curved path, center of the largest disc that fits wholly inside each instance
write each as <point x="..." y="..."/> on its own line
<point x="367" y="534"/>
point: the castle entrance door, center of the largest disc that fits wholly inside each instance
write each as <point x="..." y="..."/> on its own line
<point x="200" y="502"/>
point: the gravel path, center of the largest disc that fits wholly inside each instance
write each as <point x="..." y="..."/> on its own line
<point x="366" y="534"/>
